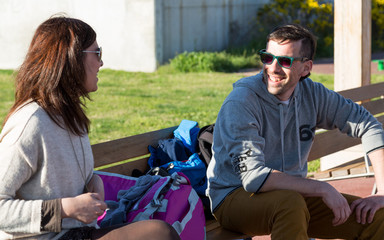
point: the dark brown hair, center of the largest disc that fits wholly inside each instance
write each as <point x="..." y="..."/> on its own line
<point x="295" y="32"/>
<point x="53" y="73"/>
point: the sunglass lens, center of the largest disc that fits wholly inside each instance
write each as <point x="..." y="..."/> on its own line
<point x="266" y="58"/>
<point x="100" y="54"/>
<point x="285" y="62"/>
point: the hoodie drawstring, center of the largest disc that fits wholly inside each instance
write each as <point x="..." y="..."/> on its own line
<point x="282" y="126"/>
<point x="298" y="132"/>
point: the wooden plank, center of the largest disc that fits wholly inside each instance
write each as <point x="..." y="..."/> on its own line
<point x="352" y="41"/>
<point x="374" y="107"/>
<point x="320" y="175"/>
<point x="364" y="92"/>
<point x="129" y="147"/>
<point x="329" y="142"/>
<point x="356" y="167"/>
<point x="127" y="168"/>
<point x="359" y="170"/>
<point x="339" y="172"/>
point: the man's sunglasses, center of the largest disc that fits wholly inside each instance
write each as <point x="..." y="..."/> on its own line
<point x="283" y="61"/>
<point x="99" y="52"/>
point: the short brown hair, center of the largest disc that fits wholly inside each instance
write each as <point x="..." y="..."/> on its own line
<point x="295" y="32"/>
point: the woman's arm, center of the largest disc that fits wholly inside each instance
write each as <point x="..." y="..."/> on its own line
<point x="95" y="185"/>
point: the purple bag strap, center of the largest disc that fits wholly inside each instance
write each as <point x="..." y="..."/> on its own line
<point x="193" y="199"/>
<point x="158" y="204"/>
<point x="154" y="205"/>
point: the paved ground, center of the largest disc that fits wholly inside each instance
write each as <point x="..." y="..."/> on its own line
<point x="326" y="66"/>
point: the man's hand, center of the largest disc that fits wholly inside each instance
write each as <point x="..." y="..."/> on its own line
<point x="338" y="204"/>
<point x="366" y="207"/>
<point x="86" y="207"/>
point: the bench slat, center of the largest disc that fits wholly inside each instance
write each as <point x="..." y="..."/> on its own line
<point x="129" y="147"/>
<point x="127" y="168"/>
<point x="333" y="141"/>
<point x="374" y="107"/>
<point x="329" y="142"/>
<point x="364" y="92"/>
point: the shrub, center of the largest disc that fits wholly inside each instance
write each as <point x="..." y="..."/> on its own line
<point x="377" y="25"/>
<point x="317" y="16"/>
<point x="213" y="62"/>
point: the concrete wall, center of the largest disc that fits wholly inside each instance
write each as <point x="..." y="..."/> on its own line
<point x="136" y="35"/>
<point x="202" y="25"/>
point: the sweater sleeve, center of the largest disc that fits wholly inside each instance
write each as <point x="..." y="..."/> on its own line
<point x="51" y="215"/>
<point x="241" y="138"/>
<point x="335" y="111"/>
<point x="17" y="215"/>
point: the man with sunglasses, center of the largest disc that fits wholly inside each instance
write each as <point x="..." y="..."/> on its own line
<point x="263" y="134"/>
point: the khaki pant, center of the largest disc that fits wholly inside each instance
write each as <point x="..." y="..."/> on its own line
<point x="287" y="214"/>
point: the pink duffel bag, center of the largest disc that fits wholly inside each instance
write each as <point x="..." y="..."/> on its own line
<point x="171" y="199"/>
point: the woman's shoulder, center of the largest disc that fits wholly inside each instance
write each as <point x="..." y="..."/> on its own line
<point x="29" y="117"/>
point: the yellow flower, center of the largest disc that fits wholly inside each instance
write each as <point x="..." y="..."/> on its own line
<point x="313" y="4"/>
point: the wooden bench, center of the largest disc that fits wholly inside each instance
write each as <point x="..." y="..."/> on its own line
<point x="112" y="156"/>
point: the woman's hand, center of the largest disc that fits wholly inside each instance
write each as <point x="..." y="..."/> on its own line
<point x="96" y="185"/>
<point x="86" y="207"/>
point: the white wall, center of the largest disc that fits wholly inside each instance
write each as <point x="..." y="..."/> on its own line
<point x="136" y="35"/>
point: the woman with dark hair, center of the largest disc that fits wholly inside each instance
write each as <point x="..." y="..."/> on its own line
<point x="47" y="186"/>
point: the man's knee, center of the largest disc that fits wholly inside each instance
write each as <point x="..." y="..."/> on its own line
<point x="291" y="199"/>
<point x="292" y="204"/>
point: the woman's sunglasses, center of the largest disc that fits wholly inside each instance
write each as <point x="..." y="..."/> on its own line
<point x="99" y="52"/>
<point x="283" y="61"/>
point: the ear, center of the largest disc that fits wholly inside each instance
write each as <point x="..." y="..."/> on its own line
<point x="307" y="68"/>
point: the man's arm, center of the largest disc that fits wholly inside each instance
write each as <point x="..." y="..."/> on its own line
<point x="310" y="188"/>
<point x="366" y="207"/>
<point x="377" y="160"/>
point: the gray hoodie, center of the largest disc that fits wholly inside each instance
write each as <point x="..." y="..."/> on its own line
<point x="256" y="133"/>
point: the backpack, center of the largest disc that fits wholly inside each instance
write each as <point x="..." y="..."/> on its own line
<point x="170" y="198"/>
<point x="178" y="155"/>
<point x="204" y="143"/>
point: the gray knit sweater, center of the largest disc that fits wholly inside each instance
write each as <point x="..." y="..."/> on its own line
<point x="38" y="161"/>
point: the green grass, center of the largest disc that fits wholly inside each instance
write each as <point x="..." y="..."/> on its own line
<point x="6" y="93"/>
<point x="132" y="103"/>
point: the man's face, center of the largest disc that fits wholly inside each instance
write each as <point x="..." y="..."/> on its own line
<point x="280" y="81"/>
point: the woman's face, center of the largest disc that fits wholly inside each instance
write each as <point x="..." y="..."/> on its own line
<point x="92" y="64"/>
